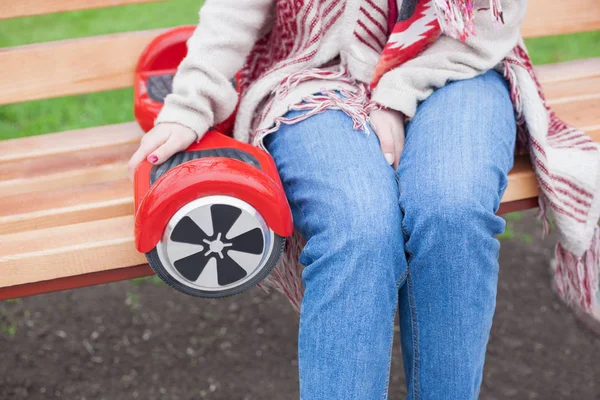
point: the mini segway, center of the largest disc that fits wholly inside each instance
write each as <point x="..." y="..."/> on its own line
<point x="212" y="220"/>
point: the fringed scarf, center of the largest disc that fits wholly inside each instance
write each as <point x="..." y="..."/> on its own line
<point x="565" y="160"/>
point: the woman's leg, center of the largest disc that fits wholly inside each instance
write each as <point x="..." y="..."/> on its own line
<point x="344" y="199"/>
<point x="453" y="172"/>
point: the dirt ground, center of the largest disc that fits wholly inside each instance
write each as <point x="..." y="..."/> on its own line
<point x="142" y="340"/>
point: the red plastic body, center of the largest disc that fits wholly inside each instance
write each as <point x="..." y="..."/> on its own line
<point x="156" y="205"/>
<point x="162" y="57"/>
<point x="207" y="176"/>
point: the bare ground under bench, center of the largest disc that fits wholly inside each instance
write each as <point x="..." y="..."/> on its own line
<point x="146" y="341"/>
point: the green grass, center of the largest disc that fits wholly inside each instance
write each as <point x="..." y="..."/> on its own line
<point x="510" y="232"/>
<point x="564" y="48"/>
<point x="53" y="115"/>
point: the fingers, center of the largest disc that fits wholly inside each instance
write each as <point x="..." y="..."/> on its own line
<point x="389" y="128"/>
<point x="161" y="143"/>
<point x="398" y="144"/>
<point x="170" y="147"/>
<point x="148" y="144"/>
<point x="388" y="144"/>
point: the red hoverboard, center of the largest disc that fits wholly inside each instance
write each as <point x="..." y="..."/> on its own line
<point x="212" y="220"/>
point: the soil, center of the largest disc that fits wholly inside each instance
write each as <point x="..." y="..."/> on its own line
<point x="143" y="340"/>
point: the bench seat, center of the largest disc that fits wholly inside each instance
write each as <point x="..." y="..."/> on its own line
<point x="66" y="216"/>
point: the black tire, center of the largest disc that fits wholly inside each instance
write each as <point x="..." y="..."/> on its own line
<point x="163" y="274"/>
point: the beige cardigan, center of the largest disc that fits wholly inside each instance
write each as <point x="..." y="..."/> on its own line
<point x="203" y="96"/>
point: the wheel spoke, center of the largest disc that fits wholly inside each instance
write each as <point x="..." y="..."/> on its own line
<point x="178" y="250"/>
<point x="192" y="266"/>
<point x="187" y="231"/>
<point x="250" y="242"/>
<point x="201" y="216"/>
<point x="209" y="277"/>
<point x="229" y="271"/>
<point x="245" y="260"/>
<point x="223" y="217"/>
<point x="246" y="222"/>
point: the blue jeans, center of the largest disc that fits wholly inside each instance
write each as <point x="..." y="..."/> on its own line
<point x="418" y="241"/>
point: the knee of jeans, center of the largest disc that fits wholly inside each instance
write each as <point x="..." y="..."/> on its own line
<point x="354" y="238"/>
<point x="451" y="210"/>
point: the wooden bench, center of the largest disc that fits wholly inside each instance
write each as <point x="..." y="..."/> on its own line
<point x="65" y="202"/>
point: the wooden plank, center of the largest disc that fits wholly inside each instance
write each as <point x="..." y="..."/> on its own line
<point x="584" y="114"/>
<point x="54" y="144"/>
<point x="570" y="81"/>
<point x="594" y="133"/>
<point x="64" y="251"/>
<point x="61" y="180"/>
<point x="77" y="281"/>
<point x="518" y="205"/>
<point x="27" y="203"/>
<point x="66" y="162"/>
<point x="68" y="215"/>
<point x="522" y="183"/>
<point x="70" y="67"/>
<point x="573" y="90"/>
<point x="90" y="202"/>
<point x="16" y="8"/>
<point x="569" y="70"/>
<point x="545" y="18"/>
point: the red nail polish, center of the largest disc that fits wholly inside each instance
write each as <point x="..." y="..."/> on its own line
<point x="153" y="159"/>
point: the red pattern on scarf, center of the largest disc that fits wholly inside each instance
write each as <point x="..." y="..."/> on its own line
<point x="408" y="39"/>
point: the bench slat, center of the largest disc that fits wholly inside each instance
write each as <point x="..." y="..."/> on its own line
<point x="66" y="162"/>
<point x="584" y="114"/>
<point x="48" y="70"/>
<point x="570" y="81"/>
<point x="574" y="90"/>
<point x="73" y="205"/>
<point x="44" y="254"/>
<point x="522" y="182"/>
<point x="53" y="144"/>
<point x="15" y="8"/>
<point x="75" y="281"/>
<point x="567" y="71"/>
<point x="67" y="179"/>
<point x="546" y="18"/>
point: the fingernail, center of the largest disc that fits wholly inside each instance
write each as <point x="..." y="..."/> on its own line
<point x="153" y="158"/>
<point x="389" y="157"/>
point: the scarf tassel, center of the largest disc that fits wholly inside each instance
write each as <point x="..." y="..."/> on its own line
<point x="576" y="278"/>
<point x="542" y="215"/>
<point x="456" y="16"/>
<point x="287" y="275"/>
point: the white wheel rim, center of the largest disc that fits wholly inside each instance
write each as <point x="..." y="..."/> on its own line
<point x="215" y="255"/>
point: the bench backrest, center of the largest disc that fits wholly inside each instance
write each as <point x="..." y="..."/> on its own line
<point x="106" y="62"/>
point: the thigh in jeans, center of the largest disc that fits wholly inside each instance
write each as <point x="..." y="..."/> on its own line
<point x="344" y="198"/>
<point x="453" y="172"/>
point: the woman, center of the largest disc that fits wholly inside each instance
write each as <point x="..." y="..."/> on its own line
<point x="393" y="143"/>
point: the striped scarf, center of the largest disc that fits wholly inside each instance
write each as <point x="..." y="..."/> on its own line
<point x="565" y="160"/>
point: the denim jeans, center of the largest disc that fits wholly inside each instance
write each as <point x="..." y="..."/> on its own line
<point x="418" y="241"/>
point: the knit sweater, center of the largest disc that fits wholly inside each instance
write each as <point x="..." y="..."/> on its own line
<point x="276" y="44"/>
<point x="228" y="30"/>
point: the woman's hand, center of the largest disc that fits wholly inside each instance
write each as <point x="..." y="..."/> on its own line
<point x="388" y="125"/>
<point x="160" y="143"/>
